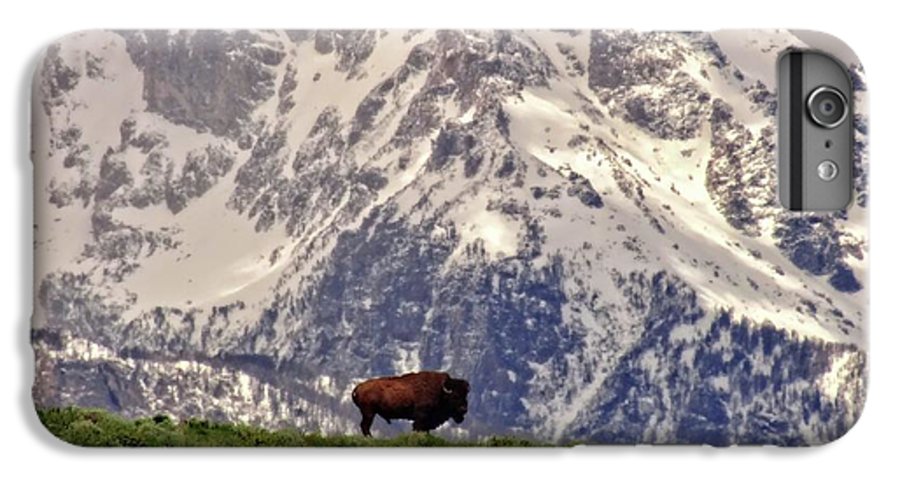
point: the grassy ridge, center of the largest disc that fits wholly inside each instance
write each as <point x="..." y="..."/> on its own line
<point x="98" y="428"/>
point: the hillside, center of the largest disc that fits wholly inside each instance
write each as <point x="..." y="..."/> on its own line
<point x="99" y="428"/>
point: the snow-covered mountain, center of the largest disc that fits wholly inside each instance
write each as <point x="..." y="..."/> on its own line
<point x="243" y="225"/>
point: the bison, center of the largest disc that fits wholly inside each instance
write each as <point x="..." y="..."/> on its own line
<point x="426" y="398"/>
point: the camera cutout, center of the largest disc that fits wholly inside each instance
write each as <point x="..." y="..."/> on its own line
<point x="815" y="132"/>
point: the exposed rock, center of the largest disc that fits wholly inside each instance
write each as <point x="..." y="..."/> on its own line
<point x="209" y="80"/>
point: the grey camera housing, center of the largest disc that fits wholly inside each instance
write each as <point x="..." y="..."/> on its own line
<point x="803" y="143"/>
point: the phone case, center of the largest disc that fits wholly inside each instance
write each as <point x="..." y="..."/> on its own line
<point x="574" y="235"/>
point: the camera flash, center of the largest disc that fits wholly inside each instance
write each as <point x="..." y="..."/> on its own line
<point x="827" y="170"/>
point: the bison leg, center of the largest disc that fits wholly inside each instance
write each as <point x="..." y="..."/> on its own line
<point x="426" y="422"/>
<point x="419" y="425"/>
<point x="423" y="423"/>
<point x="366" y="424"/>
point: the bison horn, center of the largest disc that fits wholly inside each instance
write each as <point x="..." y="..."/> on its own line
<point x="445" y="389"/>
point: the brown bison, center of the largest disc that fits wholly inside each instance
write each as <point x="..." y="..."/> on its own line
<point x="426" y="398"/>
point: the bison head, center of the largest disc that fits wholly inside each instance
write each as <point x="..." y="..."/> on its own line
<point x="455" y="393"/>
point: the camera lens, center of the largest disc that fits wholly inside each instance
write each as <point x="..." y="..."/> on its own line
<point x="827" y="107"/>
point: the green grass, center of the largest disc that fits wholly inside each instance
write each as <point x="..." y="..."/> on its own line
<point x="99" y="428"/>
